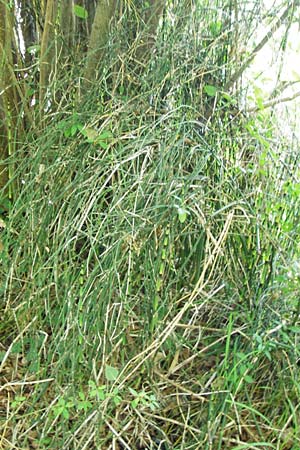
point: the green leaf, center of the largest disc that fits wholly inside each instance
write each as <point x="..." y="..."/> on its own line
<point x="61" y="402"/>
<point x="85" y="405"/>
<point x="249" y="379"/>
<point x="294" y="329"/>
<point x="16" y="348"/>
<point x="65" y="413"/>
<point x="33" y="48"/>
<point x="30" y="92"/>
<point x="90" y="133"/>
<point x="18" y="401"/>
<point x="228" y="98"/>
<point x="80" y="12"/>
<point x="117" y="400"/>
<point x="135" y="402"/>
<point x="105" y="135"/>
<point x="101" y="394"/>
<point x="73" y="130"/>
<point x="210" y="90"/>
<point x="153" y="406"/>
<point x="103" y="145"/>
<point x="133" y="391"/>
<point x="111" y="373"/>
<point x="215" y="27"/>
<point x="93" y="393"/>
<point x="182" y="215"/>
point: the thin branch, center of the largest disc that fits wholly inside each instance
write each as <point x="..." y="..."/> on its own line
<point x="274" y="102"/>
<point x="262" y="43"/>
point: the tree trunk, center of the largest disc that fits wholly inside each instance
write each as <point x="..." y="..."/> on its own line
<point x="67" y="26"/>
<point x="8" y="94"/>
<point x="46" y="58"/>
<point x="153" y="16"/>
<point x="99" y="36"/>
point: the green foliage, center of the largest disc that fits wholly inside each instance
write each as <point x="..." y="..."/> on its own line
<point x="18" y="401"/>
<point x="210" y="90"/>
<point x="80" y="12"/>
<point x="62" y="408"/>
<point x="150" y="262"/>
<point x="144" y="399"/>
<point x="182" y="214"/>
<point x="111" y="373"/>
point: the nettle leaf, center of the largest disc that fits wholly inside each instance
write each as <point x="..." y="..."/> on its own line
<point x="80" y="12"/>
<point x="111" y="373"/>
<point x="210" y="90"/>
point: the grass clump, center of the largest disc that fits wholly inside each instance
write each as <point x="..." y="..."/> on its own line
<point x="150" y="275"/>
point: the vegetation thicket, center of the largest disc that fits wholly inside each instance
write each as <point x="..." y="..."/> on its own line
<point x="149" y="230"/>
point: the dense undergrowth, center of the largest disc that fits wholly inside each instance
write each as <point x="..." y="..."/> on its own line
<point x="150" y="269"/>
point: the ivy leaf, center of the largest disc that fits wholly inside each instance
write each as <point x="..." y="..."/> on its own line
<point x="111" y="373"/>
<point x="210" y="90"/>
<point x="80" y="12"/>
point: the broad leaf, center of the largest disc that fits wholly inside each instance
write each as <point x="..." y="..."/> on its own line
<point x="90" y="133"/>
<point x="182" y="215"/>
<point x="80" y="12"/>
<point x="210" y="90"/>
<point x="111" y="373"/>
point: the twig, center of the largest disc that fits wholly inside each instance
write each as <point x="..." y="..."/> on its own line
<point x="274" y="102"/>
<point x="262" y="43"/>
<point x="25" y="383"/>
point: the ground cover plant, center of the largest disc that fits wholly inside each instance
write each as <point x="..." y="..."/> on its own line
<point x="149" y="247"/>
